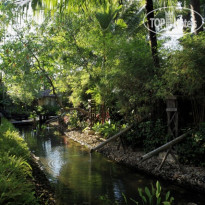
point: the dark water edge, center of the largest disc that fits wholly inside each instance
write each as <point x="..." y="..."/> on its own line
<point x="81" y="178"/>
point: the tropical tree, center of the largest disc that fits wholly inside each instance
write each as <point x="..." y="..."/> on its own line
<point x="30" y="62"/>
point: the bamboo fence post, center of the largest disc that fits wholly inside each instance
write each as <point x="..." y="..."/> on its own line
<point x="111" y="139"/>
<point x="163" y="147"/>
<point x="164" y="159"/>
<point x="117" y="135"/>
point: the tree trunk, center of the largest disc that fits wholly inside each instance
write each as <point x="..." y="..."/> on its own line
<point x="49" y="79"/>
<point x="152" y="35"/>
<point x="197" y="20"/>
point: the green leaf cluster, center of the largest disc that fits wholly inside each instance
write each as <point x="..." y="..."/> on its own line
<point x="148" y="135"/>
<point x="153" y="196"/>
<point x="15" y="172"/>
<point x="107" y="129"/>
<point x="192" y="150"/>
<point x="184" y="69"/>
<point x="73" y="120"/>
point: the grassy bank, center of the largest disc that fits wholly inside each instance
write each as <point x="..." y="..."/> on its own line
<point x="16" y="185"/>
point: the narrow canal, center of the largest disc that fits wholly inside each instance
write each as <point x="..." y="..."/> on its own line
<point x="82" y="178"/>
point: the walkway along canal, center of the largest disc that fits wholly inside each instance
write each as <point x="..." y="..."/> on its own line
<point x="82" y="178"/>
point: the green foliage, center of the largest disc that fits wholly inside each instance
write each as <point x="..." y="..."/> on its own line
<point x="154" y="134"/>
<point x="105" y="199"/>
<point x="30" y="63"/>
<point x="192" y="149"/>
<point x="149" y="135"/>
<point x="99" y="49"/>
<point x="48" y="109"/>
<point x="73" y="119"/>
<point x="134" y="137"/>
<point x="184" y="70"/>
<point x="109" y="66"/>
<point x="153" y="196"/>
<point x="107" y="129"/>
<point x="15" y="172"/>
<point x="11" y="142"/>
<point x="15" y="186"/>
<point x="148" y="196"/>
<point x="106" y="15"/>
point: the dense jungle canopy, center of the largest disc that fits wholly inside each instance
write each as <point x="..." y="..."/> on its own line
<point x="101" y="50"/>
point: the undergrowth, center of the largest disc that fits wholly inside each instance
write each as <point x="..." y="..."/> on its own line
<point x="107" y="129"/>
<point x="146" y="196"/>
<point x="15" y="172"/>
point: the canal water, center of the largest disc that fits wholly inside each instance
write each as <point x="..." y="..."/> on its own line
<point x="81" y="178"/>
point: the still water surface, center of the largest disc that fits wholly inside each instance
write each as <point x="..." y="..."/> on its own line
<point x="82" y="178"/>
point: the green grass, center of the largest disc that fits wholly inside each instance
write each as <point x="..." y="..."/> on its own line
<point x="15" y="172"/>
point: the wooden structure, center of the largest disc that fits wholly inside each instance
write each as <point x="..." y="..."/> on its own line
<point x="92" y="111"/>
<point x="46" y="98"/>
<point x="172" y="116"/>
<point x="168" y="146"/>
<point x="111" y="138"/>
<point x="119" y="134"/>
<point x="24" y="122"/>
<point x="172" y="123"/>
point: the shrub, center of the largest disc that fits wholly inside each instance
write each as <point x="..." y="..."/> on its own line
<point x="15" y="172"/>
<point x="147" y="135"/>
<point x="192" y="149"/>
<point x="11" y="142"/>
<point x="73" y="119"/>
<point x="182" y="72"/>
<point x="106" y="130"/>
<point x="147" y="196"/>
<point x="15" y="187"/>
<point x="153" y="196"/>
<point x="154" y="134"/>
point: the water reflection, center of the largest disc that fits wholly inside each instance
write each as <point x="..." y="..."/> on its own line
<point x="82" y="178"/>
